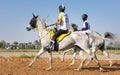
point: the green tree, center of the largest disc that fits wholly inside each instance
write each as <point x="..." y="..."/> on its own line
<point x="37" y="44"/>
<point x="15" y="44"/>
<point x="2" y="44"/>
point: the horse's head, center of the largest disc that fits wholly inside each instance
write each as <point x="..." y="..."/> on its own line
<point x="73" y="27"/>
<point x="34" y="22"/>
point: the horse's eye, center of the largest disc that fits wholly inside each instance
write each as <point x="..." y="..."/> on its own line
<point x="33" y="22"/>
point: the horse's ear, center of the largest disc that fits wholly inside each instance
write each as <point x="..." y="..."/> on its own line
<point x="33" y="15"/>
<point x="37" y="16"/>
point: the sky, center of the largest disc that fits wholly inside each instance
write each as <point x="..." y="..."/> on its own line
<point x="15" y="15"/>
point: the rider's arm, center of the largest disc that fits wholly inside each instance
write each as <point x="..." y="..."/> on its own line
<point x="59" y="22"/>
<point x="86" y="27"/>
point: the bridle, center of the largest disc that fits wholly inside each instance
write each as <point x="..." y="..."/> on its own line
<point x="40" y="28"/>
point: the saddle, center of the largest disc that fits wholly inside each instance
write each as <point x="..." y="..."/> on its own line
<point x="61" y="37"/>
<point x="58" y="39"/>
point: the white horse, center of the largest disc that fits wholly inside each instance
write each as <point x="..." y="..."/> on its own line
<point x="78" y="38"/>
<point x="97" y="42"/>
<point x="100" y="47"/>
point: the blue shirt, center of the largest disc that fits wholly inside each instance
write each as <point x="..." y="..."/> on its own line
<point x="86" y="26"/>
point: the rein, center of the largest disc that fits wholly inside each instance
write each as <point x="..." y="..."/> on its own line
<point x="38" y="28"/>
<point x="41" y="28"/>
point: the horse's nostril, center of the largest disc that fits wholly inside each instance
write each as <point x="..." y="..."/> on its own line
<point x="28" y="29"/>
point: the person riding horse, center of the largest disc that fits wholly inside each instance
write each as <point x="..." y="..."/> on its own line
<point x="78" y="38"/>
<point x="86" y="25"/>
<point x="63" y="21"/>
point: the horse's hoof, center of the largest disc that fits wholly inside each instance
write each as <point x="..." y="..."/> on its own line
<point x="102" y="70"/>
<point x="77" y="69"/>
<point x="70" y="64"/>
<point x="48" y="69"/>
<point x="29" y="65"/>
<point x="86" y="64"/>
<point x="110" y="65"/>
<point x="62" y="59"/>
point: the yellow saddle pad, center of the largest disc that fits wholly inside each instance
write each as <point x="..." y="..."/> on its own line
<point x="61" y="37"/>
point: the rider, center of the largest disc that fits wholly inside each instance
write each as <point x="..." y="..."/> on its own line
<point x="63" y="22"/>
<point x="86" y="25"/>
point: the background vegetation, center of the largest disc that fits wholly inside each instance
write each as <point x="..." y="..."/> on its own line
<point x="35" y="45"/>
<point x="19" y="45"/>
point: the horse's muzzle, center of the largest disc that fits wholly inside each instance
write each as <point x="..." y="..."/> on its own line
<point x="28" y="29"/>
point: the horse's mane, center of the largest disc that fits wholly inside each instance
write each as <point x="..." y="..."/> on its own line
<point x="75" y="27"/>
<point x="43" y="22"/>
<point x="47" y="27"/>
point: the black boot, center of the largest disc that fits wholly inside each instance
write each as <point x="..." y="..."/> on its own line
<point x="56" y="46"/>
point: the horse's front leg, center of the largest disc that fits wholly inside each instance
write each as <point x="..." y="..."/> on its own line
<point x="73" y="59"/>
<point x="63" y="55"/>
<point x="50" y="61"/>
<point x="82" y="60"/>
<point x="74" y="55"/>
<point x="39" y="53"/>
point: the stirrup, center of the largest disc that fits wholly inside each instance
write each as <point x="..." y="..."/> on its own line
<point x="53" y="41"/>
<point x="52" y="45"/>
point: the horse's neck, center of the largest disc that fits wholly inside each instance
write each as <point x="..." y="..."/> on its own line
<point x="41" y="27"/>
<point x="43" y="32"/>
<point x="44" y="36"/>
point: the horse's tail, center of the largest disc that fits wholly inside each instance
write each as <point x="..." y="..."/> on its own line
<point x="110" y="36"/>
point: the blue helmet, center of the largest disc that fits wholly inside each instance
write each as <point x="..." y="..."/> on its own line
<point x="85" y="16"/>
<point x="62" y="7"/>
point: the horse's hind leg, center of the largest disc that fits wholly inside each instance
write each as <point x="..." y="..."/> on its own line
<point x="95" y="58"/>
<point x="99" y="65"/>
<point x="102" y="49"/>
<point x="107" y="55"/>
<point x="39" y="53"/>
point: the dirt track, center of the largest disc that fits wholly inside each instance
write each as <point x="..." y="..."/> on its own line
<point x="55" y="55"/>
<point x="19" y="66"/>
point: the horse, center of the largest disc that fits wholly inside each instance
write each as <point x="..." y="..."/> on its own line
<point x="108" y="36"/>
<point x="78" y="38"/>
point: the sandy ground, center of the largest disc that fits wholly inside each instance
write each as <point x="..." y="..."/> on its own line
<point x="19" y="66"/>
<point x="56" y="55"/>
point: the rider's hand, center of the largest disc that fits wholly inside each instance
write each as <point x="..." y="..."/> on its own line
<point x="56" y="24"/>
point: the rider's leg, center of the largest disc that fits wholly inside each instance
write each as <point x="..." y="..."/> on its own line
<point x="57" y="34"/>
<point x="54" y="39"/>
